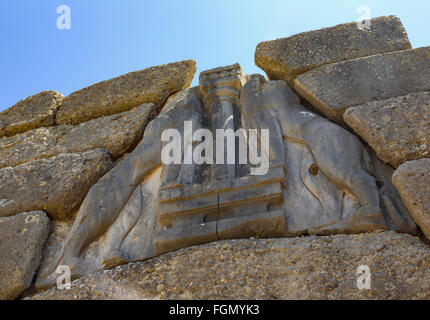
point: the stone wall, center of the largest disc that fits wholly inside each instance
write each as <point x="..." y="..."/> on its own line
<point x="53" y="149"/>
<point x="82" y="183"/>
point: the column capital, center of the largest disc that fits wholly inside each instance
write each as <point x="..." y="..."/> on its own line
<point x="222" y="84"/>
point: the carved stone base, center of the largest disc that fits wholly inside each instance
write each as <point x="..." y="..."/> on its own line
<point x="197" y="214"/>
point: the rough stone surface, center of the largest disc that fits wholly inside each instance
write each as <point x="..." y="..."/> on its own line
<point x="57" y="185"/>
<point x="334" y="88"/>
<point x="285" y="59"/>
<point x="398" y="129"/>
<point x="36" y="111"/>
<point x="30" y="146"/>
<point x="59" y="230"/>
<point x="21" y="242"/>
<point x="412" y="179"/>
<point x="123" y="93"/>
<point x="116" y="134"/>
<point x="129" y="239"/>
<point x="299" y="268"/>
<point x="331" y="184"/>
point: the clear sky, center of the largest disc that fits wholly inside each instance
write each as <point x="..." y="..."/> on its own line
<point x="112" y="37"/>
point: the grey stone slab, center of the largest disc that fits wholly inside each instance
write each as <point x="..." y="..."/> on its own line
<point x="285" y="59"/>
<point x="412" y="179"/>
<point x="334" y="88"/>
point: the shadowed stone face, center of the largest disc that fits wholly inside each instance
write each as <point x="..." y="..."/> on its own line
<point x="412" y="179"/>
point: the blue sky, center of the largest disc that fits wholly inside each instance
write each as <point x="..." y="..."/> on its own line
<point x="112" y="37"/>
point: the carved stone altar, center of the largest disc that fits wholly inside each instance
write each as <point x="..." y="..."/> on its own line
<point x="321" y="180"/>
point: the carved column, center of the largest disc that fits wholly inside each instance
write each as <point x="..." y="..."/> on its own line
<point x="220" y="89"/>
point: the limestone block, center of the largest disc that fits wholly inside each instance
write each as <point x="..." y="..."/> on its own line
<point x="312" y="267"/>
<point x="116" y="134"/>
<point x="334" y="88"/>
<point x="264" y="225"/>
<point x="36" y="111"/>
<point x="285" y="59"/>
<point x="57" y="185"/>
<point x="398" y="129"/>
<point x="21" y="243"/>
<point x="123" y="93"/>
<point x="412" y="179"/>
<point x="178" y="238"/>
<point x="30" y="146"/>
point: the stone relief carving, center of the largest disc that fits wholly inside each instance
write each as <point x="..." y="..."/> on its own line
<point x="321" y="180"/>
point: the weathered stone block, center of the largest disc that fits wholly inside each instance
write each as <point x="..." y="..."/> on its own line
<point x="412" y="179"/>
<point x="30" y="146"/>
<point x="115" y="134"/>
<point x="334" y="88"/>
<point x="285" y="59"/>
<point x="276" y="269"/>
<point x="265" y="225"/>
<point x="36" y="111"/>
<point x="57" y="185"/>
<point x="123" y="93"/>
<point x="178" y="238"/>
<point x="21" y="242"/>
<point x="398" y="129"/>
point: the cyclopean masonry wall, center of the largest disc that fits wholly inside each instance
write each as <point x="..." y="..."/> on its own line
<point x="323" y="180"/>
<point x="48" y="166"/>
